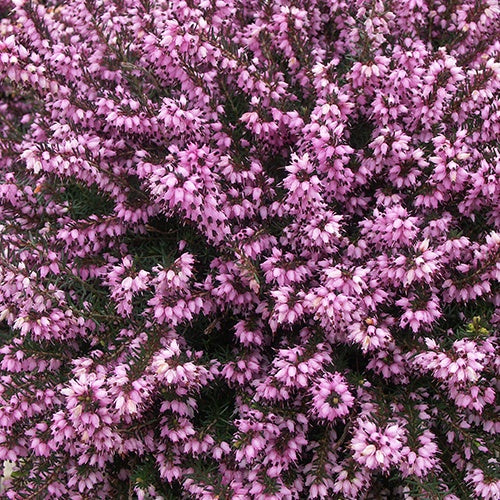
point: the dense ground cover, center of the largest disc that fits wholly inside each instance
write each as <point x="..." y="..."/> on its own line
<point x="249" y="249"/>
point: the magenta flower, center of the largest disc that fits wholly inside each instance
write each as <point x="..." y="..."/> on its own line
<point x="249" y="249"/>
<point x="331" y="397"/>
<point x="377" y="448"/>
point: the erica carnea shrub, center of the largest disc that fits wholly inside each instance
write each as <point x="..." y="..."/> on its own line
<point x="249" y="249"/>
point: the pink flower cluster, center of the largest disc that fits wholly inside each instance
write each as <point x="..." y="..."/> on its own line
<point x="249" y="249"/>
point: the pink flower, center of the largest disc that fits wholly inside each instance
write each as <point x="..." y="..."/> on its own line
<point x="249" y="249"/>
<point x="377" y="448"/>
<point x="331" y="397"/>
<point x="422" y="460"/>
<point x="489" y="489"/>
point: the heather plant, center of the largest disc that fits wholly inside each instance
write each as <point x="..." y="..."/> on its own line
<point x="249" y="249"/>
